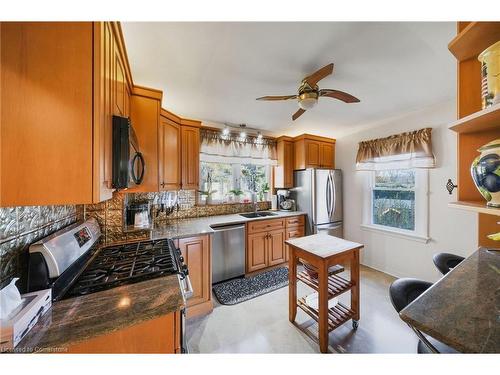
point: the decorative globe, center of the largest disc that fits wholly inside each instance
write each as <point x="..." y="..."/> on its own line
<point x="485" y="172"/>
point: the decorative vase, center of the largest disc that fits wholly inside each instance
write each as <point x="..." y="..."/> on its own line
<point x="209" y="199"/>
<point x="485" y="172"/>
<point x="490" y="75"/>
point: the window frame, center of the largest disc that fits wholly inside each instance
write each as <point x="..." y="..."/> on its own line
<point x="421" y="232"/>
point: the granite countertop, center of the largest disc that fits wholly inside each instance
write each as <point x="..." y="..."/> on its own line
<point x="462" y="309"/>
<point x="323" y="245"/>
<point x="182" y="228"/>
<point x="76" y="319"/>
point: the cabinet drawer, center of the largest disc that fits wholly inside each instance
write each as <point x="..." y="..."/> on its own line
<point x="265" y="225"/>
<point x="295" y="221"/>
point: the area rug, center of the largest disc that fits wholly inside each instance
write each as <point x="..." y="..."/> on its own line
<point x="235" y="291"/>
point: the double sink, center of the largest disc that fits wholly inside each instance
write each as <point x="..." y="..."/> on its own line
<point x="252" y="215"/>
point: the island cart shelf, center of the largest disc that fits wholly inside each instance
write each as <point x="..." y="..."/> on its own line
<point x="322" y="251"/>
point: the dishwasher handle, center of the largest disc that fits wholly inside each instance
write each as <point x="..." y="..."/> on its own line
<point x="225" y="228"/>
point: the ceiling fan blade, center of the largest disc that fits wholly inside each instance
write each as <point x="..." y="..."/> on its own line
<point x="297" y="114"/>
<point x="278" y="97"/>
<point x="340" y="95"/>
<point x="317" y="76"/>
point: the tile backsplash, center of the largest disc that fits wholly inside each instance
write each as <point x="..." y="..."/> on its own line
<point x="109" y="214"/>
<point x="21" y="226"/>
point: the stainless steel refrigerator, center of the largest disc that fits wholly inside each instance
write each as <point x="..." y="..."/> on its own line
<point x="318" y="192"/>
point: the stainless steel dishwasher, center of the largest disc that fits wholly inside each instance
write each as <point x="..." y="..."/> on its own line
<point x="228" y="251"/>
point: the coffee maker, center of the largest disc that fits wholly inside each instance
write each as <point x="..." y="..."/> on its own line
<point x="285" y="203"/>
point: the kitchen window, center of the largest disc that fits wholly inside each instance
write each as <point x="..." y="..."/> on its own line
<point x="396" y="202"/>
<point x="234" y="182"/>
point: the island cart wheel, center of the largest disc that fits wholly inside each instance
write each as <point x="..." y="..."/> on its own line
<point x="355" y="324"/>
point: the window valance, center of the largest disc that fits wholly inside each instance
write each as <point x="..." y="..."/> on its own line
<point x="401" y="151"/>
<point x="230" y="149"/>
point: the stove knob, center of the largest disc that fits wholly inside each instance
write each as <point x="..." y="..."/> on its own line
<point x="181" y="259"/>
<point x="185" y="269"/>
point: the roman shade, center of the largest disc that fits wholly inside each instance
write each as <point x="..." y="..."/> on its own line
<point x="218" y="148"/>
<point x="401" y="151"/>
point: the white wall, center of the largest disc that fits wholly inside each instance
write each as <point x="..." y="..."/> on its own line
<point x="450" y="230"/>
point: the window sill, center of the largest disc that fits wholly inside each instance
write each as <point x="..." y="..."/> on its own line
<point x="395" y="233"/>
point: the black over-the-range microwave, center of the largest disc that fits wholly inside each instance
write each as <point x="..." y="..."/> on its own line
<point x="128" y="162"/>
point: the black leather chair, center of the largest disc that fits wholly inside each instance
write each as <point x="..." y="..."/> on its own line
<point x="445" y="262"/>
<point x="403" y="292"/>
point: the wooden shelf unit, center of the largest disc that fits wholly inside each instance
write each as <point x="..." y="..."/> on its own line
<point x="475" y="126"/>
<point x="474" y="206"/>
<point x="337" y="315"/>
<point x="474" y="39"/>
<point x="486" y="119"/>
<point x="337" y="285"/>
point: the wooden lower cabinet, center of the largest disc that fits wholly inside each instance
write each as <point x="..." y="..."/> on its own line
<point x="266" y="241"/>
<point x="197" y="255"/>
<point x="155" y="336"/>
<point x="276" y="248"/>
<point x="256" y="252"/>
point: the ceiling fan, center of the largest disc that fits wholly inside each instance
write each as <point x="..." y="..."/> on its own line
<point x="309" y="92"/>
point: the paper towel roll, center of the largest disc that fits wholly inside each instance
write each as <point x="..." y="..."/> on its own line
<point x="10" y="298"/>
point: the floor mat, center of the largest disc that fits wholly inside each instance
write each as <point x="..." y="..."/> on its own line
<point x="235" y="291"/>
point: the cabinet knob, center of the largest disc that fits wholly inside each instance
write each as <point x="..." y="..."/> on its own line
<point x="450" y="186"/>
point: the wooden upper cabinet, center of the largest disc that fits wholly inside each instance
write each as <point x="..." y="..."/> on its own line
<point x="47" y="113"/>
<point x="170" y="152"/>
<point x="283" y="172"/>
<point x="190" y="154"/>
<point x="145" y="118"/>
<point x="314" y="152"/>
<point x="313" y="158"/>
<point x="326" y="155"/>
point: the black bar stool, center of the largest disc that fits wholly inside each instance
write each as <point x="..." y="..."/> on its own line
<point x="403" y="292"/>
<point x="445" y="262"/>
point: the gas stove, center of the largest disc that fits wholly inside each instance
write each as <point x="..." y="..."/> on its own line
<point x="123" y="264"/>
<point x="72" y="264"/>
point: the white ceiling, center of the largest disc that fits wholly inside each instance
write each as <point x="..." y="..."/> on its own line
<point x="214" y="71"/>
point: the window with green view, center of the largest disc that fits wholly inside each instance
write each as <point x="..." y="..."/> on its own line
<point x="393" y="199"/>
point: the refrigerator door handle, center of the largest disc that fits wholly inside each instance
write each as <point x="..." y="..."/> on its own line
<point x="327" y="193"/>
<point x="334" y="196"/>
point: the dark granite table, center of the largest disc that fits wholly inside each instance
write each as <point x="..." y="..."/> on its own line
<point x="462" y="309"/>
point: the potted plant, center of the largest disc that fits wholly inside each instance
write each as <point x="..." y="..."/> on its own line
<point x="208" y="191"/>
<point x="264" y="189"/>
<point x="237" y="194"/>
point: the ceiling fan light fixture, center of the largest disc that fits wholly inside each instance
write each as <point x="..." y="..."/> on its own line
<point x="307" y="100"/>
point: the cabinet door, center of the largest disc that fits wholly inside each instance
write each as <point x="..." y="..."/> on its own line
<point x="276" y="247"/>
<point x="257" y="251"/>
<point x="119" y="84"/>
<point x="312" y="154"/>
<point x="46" y="142"/>
<point x="190" y="150"/>
<point x="326" y="155"/>
<point x="288" y="164"/>
<point x="170" y="155"/>
<point x="195" y="251"/>
<point x="293" y="232"/>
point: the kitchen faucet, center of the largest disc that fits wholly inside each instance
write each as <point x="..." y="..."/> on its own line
<point x="254" y="202"/>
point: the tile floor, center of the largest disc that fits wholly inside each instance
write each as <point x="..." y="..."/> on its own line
<point x="261" y="325"/>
